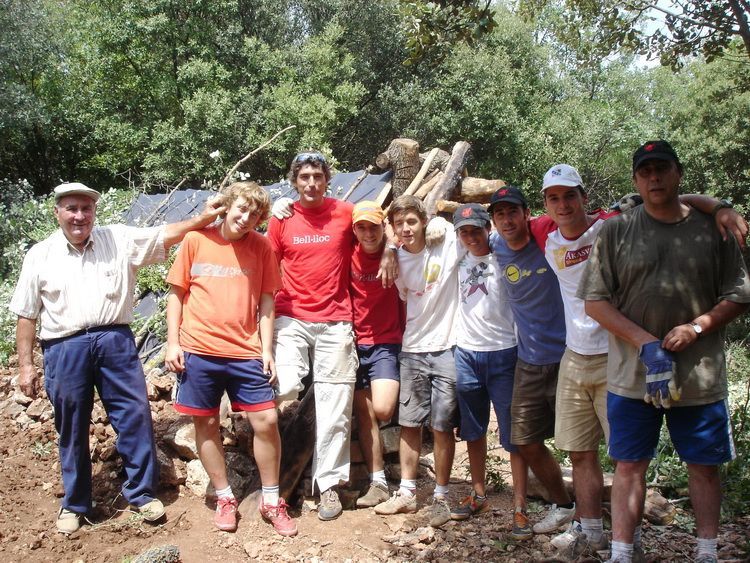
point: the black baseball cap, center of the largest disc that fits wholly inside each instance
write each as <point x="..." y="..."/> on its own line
<point x="651" y="150"/>
<point x="471" y="214"/>
<point x="507" y="194"/>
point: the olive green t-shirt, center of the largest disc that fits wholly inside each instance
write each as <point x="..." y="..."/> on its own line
<point x="661" y="275"/>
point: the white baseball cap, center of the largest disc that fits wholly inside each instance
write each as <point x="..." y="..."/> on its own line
<point x="562" y="175"/>
<point x="75" y="188"/>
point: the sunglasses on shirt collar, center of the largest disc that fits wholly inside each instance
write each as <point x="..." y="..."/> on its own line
<point x="310" y="157"/>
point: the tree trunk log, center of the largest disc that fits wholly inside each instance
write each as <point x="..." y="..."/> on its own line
<point x="479" y="190"/>
<point x="447" y="184"/>
<point x="446" y="206"/>
<point x="402" y="156"/>
<point x="426" y="188"/>
<point x="422" y="172"/>
<point x="439" y="162"/>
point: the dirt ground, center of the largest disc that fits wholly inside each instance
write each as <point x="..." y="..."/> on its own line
<point x="30" y="491"/>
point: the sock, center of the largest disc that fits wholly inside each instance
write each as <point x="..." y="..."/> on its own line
<point x="441" y="490"/>
<point x="622" y="550"/>
<point x="706" y="546"/>
<point x="408" y="487"/>
<point x="225" y="493"/>
<point x="637" y="536"/>
<point x="480" y="497"/>
<point x="593" y="528"/>
<point x="271" y="495"/>
<point x="378" y="477"/>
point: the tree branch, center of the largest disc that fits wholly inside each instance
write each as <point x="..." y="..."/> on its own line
<point x="251" y="153"/>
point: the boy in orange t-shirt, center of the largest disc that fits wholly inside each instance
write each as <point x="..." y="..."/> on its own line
<point x="222" y="280"/>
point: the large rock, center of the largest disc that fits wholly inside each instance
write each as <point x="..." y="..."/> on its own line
<point x="537" y="490"/>
<point x="240" y="471"/>
<point x="171" y="470"/>
<point x="181" y="438"/>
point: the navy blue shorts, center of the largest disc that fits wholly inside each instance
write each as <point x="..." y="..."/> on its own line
<point x="483" y="378"/>
<point x="377" y="361"/>
<point x="701" y="434"/>
<point x="201" y="385"/>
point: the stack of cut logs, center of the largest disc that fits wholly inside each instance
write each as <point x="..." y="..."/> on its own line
<point x="436" y="177"/>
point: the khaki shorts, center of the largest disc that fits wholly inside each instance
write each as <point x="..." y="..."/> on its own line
<point x="533" y="408"/>
<point x="329" y="347"/>
<point x="581" y="406"/>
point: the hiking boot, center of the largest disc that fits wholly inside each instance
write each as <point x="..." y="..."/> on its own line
<point x="278" y="517"/>
<point x="565" y="541"/>
<point x="329" y="506"/>
<point x="521" y="526"/>
<point x="376" y="494"/>
<point x="68" y="521"/>
<point x="584" y="547"/>
<point x="225" y="517"/>
<point x="152" y="510"/>
<point x="555" y="519"/>
<point x="439" y="511"/>
<point x="397" y="504"/>
<point x="470" y="506"/>
<point x="705" y="558"/>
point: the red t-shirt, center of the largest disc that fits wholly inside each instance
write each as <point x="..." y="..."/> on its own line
<point x="314" y="248"/>
<point x="223" y="281"/>
<point x="378" y="312"/>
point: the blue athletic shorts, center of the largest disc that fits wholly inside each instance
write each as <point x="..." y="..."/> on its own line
<point x="377" y="361"/>
<point x="201" y="385"/>
<point x="483" y="378"/>
<point x="701" y="434"/>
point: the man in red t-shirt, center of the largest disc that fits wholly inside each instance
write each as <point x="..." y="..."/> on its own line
<point x="314" y="318"/>
<point x="379" y="326"/>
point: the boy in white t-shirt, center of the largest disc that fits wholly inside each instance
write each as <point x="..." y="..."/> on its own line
<point x="427" y="283"/>
<point x="485" y="357"/>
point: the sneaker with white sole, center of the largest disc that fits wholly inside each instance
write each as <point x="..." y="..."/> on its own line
<point x="557" y="517"/>
<point x="152" y="510"/>
<point x="470" y="506"/>
<point x="565" y="540"/>
<point x="439" y="512"/>
<point x="68" y="521"/>
<point x="329" y="506"/>
<point x="397" y="504"/>
<point x="584" y="547"/>
<point x="376" y="494"/>
<point x="521" y="527"/>
<point x="225" y="517"/>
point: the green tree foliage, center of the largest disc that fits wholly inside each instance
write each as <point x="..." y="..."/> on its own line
<point x="670" y="30"/>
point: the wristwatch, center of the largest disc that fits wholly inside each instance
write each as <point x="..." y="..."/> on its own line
<point x="697" y="328"/>
<point x="723" y="204"/>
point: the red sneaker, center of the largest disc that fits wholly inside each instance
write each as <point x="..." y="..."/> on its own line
<point x="226" y="514"/>
<point x="278" y="517"/>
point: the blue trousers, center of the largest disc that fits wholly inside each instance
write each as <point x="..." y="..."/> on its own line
<point x="104" y="358"/>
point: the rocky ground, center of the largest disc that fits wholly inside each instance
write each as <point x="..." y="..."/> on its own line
<point x="30" y="488"/>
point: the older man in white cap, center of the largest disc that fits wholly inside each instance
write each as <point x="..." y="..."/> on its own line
<point x="79" y="283"/>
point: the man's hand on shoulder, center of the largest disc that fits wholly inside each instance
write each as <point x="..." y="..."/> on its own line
<point x="28" y="380"/>
<point x="728" y="221"/>
<point x="434" y="233"/>
<point x="283" y="208"/>
<point x="388" y="271"/>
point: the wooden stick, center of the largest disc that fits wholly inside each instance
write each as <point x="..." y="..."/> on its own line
<point x="383" y="195"/>
<point x="422" y="172"/>
<point x="445" y="187"/>
<point x="251" y="153"/>
<point x="427" y="186"/>
<point x="356" y="183"/>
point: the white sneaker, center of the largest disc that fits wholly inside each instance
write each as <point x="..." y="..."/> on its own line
<point x="555" y="519"/>
<point x="565" y="540"/>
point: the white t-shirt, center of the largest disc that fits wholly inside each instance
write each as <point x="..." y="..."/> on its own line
<point x="427" y="283"/>
<point x="568" y="260"/>
<point x="485" y="321"/>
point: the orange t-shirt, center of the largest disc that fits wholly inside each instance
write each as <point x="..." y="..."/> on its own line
<point x="223" y="281"/>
